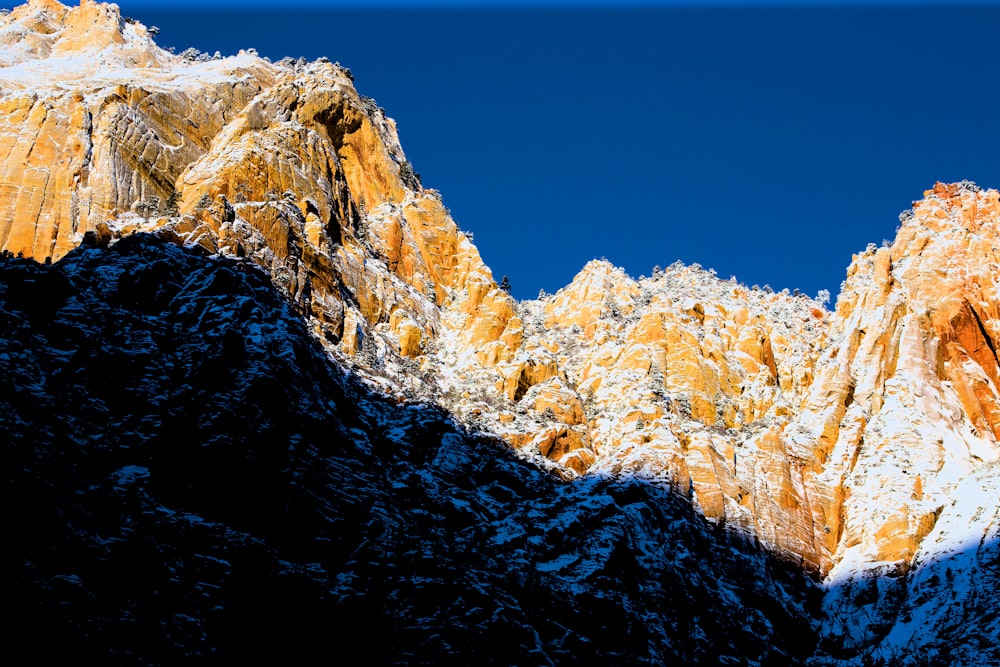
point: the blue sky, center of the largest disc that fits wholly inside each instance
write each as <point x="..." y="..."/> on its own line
<point x="537" y="4"/>
<point x="767" y="142"/>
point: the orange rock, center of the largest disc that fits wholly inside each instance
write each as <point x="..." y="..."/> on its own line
<point x="784" y="420"/>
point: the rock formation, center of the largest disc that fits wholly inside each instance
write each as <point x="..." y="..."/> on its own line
<point x="842" y="440"/>
<point x="189" y="478"/>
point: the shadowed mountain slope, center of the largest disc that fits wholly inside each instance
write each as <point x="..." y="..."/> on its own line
<point x="191" y="479"/>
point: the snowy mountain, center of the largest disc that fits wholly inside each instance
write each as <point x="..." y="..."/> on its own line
<point x="260" y="385"/>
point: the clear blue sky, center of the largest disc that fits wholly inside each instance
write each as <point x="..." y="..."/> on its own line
<point x="767" y="142"/>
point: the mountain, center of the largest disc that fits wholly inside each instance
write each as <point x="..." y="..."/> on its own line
<point x="191" y="479"/>
<point x="258" y="379"/>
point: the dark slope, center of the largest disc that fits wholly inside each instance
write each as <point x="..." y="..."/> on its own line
<point x="187" y="479"/>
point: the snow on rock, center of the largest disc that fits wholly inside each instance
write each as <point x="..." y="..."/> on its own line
<point x="190" y="467"/>
<point x="839" y="440"/>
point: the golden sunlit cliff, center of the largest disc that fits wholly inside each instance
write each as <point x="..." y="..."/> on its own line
<point x="837" y="438"/>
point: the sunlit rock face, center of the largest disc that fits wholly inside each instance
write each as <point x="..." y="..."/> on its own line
<point x="838" y="439"/>
<point x="281" y="163"/>
<point x="903" y="411"/>
<point x="904" y="405"/>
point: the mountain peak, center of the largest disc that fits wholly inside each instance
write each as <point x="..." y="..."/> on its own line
<point x="46" y="30"/>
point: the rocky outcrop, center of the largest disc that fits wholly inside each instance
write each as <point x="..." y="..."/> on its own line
<point x="908" y="390"/>
<point x="839" y="439"/>
<point x="784" y="420"/>
<point x="283" y="163"/>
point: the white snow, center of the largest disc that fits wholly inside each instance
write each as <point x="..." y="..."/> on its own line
<point x="130" y="474"/>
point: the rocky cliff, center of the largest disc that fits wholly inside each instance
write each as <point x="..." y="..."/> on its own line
<point x="860" y="443"/>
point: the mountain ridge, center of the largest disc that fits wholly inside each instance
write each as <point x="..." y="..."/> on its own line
<point x="776" y="418"/>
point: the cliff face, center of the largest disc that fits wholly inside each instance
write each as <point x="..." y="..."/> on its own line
<point x="283" y="163"/>
<point x="843" y="440"/>
<point x="908" y="390"/>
